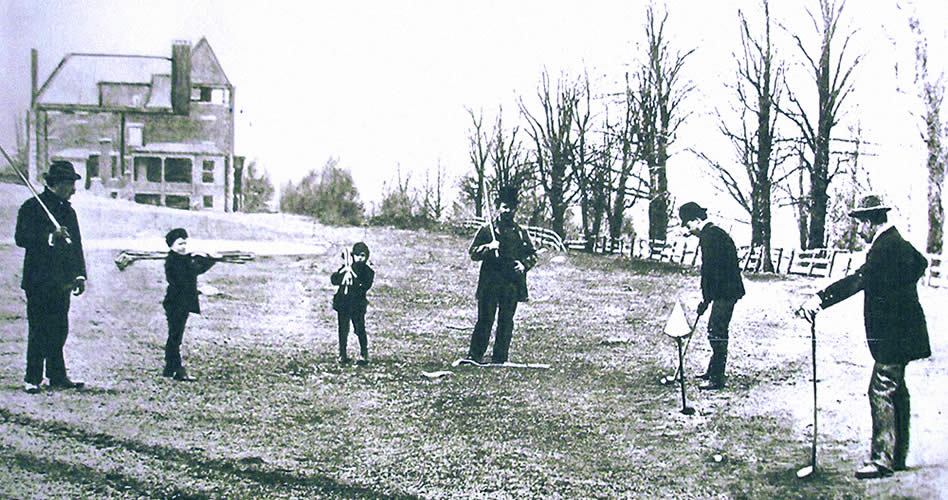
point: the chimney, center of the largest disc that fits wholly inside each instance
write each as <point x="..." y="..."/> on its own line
<point x="181" y="77"/>
<point x="34" y="57"/>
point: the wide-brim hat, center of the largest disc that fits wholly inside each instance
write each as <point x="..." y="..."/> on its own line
<point x="869" y="204"/>
<point x="61" y="170"/>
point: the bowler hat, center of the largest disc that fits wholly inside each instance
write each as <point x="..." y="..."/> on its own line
<point x="691" y="211"/>
<point x="61" y="170"/>
<point x="869" y="204"/>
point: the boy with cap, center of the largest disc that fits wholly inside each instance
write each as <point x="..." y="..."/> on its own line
<point x="53" y="267"/>
<point x="350" y="302"/>
<point x="895" y="329"/>
<point x="181" y="297"/>
<point x="721" y="286"/>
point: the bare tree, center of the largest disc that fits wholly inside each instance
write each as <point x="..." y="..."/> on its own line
<point x="473" y="185"/>
<point x="555" y="145"/>
<point x="833" y="85"/>
<point x="853" y="180"/>
<point x="507" y="157"/>
<point x="932" y="94"/>
<point x="432" y="201"/>
<point x="660" y="96"/>
<point x="753" y="134"/>
<point x="626" y="185"/>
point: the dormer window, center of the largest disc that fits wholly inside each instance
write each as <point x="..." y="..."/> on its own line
<point x="210" y="95"/>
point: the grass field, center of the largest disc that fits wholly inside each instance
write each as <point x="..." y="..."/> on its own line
<point x="274" y="416"/>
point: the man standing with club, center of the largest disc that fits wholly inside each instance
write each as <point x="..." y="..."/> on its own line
<point x="53" y="267"/>
<point x="895" y="329"/>
<point x="506" y="254"/>
<point x="721" y="286"/>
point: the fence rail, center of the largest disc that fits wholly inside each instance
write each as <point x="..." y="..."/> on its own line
<point x="541" y="236"/>
<point x="817" y="262"/>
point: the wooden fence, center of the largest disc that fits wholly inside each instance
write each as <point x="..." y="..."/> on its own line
<point x="818" y="262"/>
<point x="541" y="236"/>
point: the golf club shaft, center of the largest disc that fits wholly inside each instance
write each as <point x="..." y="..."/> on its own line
<point x="688" y="343"/>
<point x="32" y="190"/>
<point x="681" y="357"/>
<point x="813" y="353"/>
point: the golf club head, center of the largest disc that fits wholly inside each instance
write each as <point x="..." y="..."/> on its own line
<point x="687" y="411"/>
<point x="806" y="472"/>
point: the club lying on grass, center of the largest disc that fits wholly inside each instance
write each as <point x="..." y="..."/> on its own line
<point x="809" y="470"/>
<point x="508" y="364"/>
<point x="127" y="257"/>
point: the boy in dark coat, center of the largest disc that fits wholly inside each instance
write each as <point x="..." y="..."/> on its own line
<point x="506" y="254"/>
<point x="895" y="329"/>
<point x="181" y="297"/>
<point x="350" y="302"/>
<point x="721" y="286"/>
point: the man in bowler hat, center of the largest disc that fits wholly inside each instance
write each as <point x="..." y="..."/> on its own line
<point x="721" y="286"/>
<point x="895" y="329"/>
<point x="53" y="268"/>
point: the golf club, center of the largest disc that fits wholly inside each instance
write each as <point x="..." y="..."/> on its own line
<point x="26" y="181"/>
<point x="668" y="380"/>
<point x="809" y="470"/>
<point x="685" y="409"/>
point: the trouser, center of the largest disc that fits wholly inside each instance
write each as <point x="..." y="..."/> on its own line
<point x="47" y="314"/>
<point x="501" y="303"/>
<point x="177" y="319"/>
<point x="718" y="322"/>
<point x="889" y="403"/>
<point x="357" y="318"/>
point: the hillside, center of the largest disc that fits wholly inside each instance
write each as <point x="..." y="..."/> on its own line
<point x="273" y="415"/>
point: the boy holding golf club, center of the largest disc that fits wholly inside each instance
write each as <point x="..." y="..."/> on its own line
<point x="895" y="329"/>
<point x="721" y="286"/>
<point x="181" y="297"/>
<point x="354" y="278"/>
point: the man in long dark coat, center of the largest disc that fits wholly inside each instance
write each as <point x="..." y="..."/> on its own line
<point x="53" y="267"/>
<point x="506" y="254"/>
<point x="721" y="286"/>
<point x="895" y="329"/>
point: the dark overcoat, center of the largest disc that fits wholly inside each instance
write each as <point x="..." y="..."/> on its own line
<point x="46" y="266"/>
<point x="352" y="299"/>
<point x="720" y="271"/>
<point x="895" y="323"/>
<point x="497" y="268"/>
<point x="182" y="272"/>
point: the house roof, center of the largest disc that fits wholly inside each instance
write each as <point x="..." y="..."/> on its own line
<point x="76" y="80"/>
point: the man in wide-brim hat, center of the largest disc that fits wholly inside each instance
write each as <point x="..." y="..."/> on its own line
<point x="53" y="267"/>
<point x="895" y="329"/>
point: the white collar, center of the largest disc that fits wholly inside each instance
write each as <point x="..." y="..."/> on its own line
<point x="885" y="227"/>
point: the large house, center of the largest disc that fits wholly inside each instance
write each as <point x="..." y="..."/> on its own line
<point x="152" y="129"/>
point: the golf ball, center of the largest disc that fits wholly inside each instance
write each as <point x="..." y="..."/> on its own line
<point x="718" y="458"/>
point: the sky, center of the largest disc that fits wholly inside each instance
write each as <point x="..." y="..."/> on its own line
<point x="386" y="85"/>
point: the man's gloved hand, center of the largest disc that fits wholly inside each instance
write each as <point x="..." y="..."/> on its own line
<point x="60" y="235"/>
<point x="809" y="309"/>
<point x="702" y="307"/>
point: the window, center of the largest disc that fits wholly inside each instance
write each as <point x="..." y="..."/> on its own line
<point x="207" y="173"/>
<point x="208" y="202"/>
<point x="92" y="169"/>
<point x="135" y="135"/>
<point x="148" y="167"/>
<point x="114" y="194"/>
<point x="148" y="199"/>
<point x="201" y="94"/>
<point x="174" y="201"/>
<point x="219" y="96"/>
<point x="178" y="170"/>
<point x="116" y="168"/>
